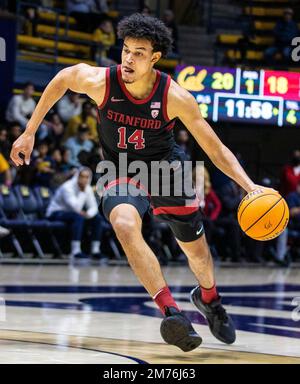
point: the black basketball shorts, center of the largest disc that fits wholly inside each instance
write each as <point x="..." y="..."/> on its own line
<point x="180" y="211"/>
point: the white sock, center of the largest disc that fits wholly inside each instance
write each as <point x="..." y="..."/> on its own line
<point x="75" y="247"/>
<point x="95" y="247"/>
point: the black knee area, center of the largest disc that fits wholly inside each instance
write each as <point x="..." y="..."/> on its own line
<point x="109" y="202"/>
<point x="187" y="232"/>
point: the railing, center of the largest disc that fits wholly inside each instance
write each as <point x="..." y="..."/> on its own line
<point x="58" y="12"/>
<point x="58" y="36"/>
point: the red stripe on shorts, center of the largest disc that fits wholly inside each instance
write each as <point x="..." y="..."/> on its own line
<point x="126" y="180"/>
<point x="180" y="211"/>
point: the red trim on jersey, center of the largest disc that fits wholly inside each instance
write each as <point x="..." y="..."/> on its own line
<point x="165" y="99"/>
<point x="129" y="96"/>
<point x="179" y="210"/>
<point x="126" y="180"/>
<point x="107" y="88"/>
<point x="98" y="116"/>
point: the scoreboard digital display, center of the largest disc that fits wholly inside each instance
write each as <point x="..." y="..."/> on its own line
<point x="249" y="96"/>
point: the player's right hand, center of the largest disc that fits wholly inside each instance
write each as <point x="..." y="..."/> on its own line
<point x="22" y="146"/>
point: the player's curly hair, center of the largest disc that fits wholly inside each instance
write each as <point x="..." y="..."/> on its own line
<point x="139" y="26"/>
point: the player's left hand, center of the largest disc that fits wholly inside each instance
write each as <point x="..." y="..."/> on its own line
<point x="265" y="189"/>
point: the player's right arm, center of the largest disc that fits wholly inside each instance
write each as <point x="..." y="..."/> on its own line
<point x="80" y="78"/>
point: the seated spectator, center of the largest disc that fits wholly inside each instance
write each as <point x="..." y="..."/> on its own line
<point x="5" y="173"/>
<point x="169" y="20"/>
<point x="293" y="200"/>
<point x="63" y="170"/>
<point x="212" y="204"/>
<point x="65" y="165"/>
<point x="5" y="146"/>
<point x="230" y="195"/>
<point x="21" y="107"/>
<point x="87" y="12"/>
<point x="74" y="203"/>
<point x="87" y="118"/>
<point x="183" y="140"/>
<point x="44" y="165"/>
<point x="69" y="106"/>
<point x="146" y="10"/>
<point x="4" y="232"/>
<point x="284" y="32"/>
<point x="247" y="41"/>
<point x="30" y="24"/>
<point x="56" y="130"/>
<point x="14" y="131"/>
<point x="290" y="176"/>
<point x="105" y="38"/>
<point x="77" y="144"/>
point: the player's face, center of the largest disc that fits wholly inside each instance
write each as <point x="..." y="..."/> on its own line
<point x="138" y="59"/>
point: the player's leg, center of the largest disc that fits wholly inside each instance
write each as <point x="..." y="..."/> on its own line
<point x="180" y="209"/>
<point x="125" y="214"/>
<point x="205" y="296"/>
<point x="127" y="224"/>
<point x="200" y="261"/>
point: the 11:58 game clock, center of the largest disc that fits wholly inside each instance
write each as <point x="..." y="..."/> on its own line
<point x="227" y="94"/>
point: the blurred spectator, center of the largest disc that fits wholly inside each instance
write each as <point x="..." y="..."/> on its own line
<point x="69" y="106"/>
<point x="44" y="165"/>
<point x="145" y="10"/>
<point x="212" y="209"/>
<point x="105" y="38"/>
<point x="183" y="140"/>
<point x="87" y="12"/>
<point x="4" y="232"/>
<point x="87" y="118"/>
<point x="21" y="107"/>
<point x="14" y="131"/>
<point x="293" y="200"/>
<point x="230" y="195"/>
<point x="56" y="130"/>
<point x="65" y="165"/>
<point x="209" y="202"/>
<point x="282" y="256"/>
<point x="290" y="176"/>
<point x="169" y="20"/>
<point x="248" y="35"/>
<point x="30" y="24"/>
<point x="284" y="32"/>
<point x="74" y="203"/>
<point x="5" y="173"/>
<point x="78" y="144"/>
<point x="63" y="170"/>
<point x="5" y="146"/>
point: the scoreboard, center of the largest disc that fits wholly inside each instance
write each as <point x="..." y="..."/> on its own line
<point x="249" y="96"/>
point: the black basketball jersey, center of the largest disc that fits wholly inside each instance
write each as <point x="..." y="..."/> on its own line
<point x="140" y="128"/>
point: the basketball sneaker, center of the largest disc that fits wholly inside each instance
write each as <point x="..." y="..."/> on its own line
<point x="176" y="329"/>
<point x="219" y="322"/>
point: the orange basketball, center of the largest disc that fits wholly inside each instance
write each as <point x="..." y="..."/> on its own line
<point x="263" y="215"/>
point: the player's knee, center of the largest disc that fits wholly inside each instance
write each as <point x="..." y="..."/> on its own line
<point x="125" y="226"/>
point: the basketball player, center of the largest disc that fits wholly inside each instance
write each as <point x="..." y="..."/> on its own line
<point x="139" y="108"/>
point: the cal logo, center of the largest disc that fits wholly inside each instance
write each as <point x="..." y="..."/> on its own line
<point x="268" y="225"/>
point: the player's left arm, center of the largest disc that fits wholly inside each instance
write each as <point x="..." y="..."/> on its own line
<point x="183" y="105"/>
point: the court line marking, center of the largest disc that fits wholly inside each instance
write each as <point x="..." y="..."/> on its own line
<point x="139" y="361"/>
<point x="140" y="344"/>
